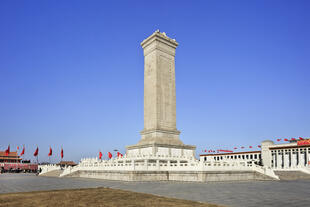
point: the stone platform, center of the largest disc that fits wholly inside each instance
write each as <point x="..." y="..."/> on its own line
<point x="184" y="176"/>
<point x="165" y="168"/>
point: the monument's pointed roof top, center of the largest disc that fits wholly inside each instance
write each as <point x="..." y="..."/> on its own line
<point x="161" y="36"/>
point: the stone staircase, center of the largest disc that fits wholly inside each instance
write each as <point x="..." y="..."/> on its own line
<point x="292" y="175"/>
<point x="53" y="173"/>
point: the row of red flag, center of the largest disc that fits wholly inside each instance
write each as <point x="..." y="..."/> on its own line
<point x="250" y="147"/>
<point x="36" y="152"/>
<point x="292" y="139"/>
<point x="110" y="155"/>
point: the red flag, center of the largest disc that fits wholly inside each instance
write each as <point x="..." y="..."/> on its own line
<point x="278" y="140"/>
<point x="205" y="150"/>
<point x="293" y="139"/>
<point x="50" y="153"/>
<point x="119" y="154"/>
<point x="259" y="146"/>
<point x="17" y="147"/>
<point x="100" y="155"/>
<point x="300" y="138"/>
<point x="286" y="140"/>
<point x="23" y="152"/>
<point x="7" y="151"/>
<point x="36" y="152"/>
<point x="62" y="153"/>
<point x="250" y="146"/>
<point x="110" y="155"/>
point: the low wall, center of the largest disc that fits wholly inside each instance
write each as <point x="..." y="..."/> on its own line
<point x="190" y="176"/>
<point x="48" y="168"/>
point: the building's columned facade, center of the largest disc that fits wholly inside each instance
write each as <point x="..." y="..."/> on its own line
<point x="275" y="156"/>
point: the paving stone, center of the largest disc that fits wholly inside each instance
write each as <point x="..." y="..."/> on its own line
<point x="245" y="194"/>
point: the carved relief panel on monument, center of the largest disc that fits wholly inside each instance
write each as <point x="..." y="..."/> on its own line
<point x="166" y="91"/>
<point x="150" y="91"/>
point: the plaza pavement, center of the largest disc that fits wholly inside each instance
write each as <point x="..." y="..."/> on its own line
<point x="244" y="194"/>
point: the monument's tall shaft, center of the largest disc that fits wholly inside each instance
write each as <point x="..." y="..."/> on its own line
<point x="159" y="82"/>
<point x="160" y="135"/>
<point x="159" y="90"/>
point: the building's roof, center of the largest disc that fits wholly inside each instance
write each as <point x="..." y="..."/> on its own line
<point x="232" y="153"/>
<point x="11" y="154"/>
<point x="288" y="147"/>
<point x="67" y="163"/>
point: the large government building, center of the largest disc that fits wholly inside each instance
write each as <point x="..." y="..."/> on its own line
<point x="276" y="156"/>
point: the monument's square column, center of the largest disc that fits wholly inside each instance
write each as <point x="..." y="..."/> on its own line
<point x="160" y="135"/>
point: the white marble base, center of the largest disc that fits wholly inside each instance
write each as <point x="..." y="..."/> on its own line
<point x="161" y="150"/>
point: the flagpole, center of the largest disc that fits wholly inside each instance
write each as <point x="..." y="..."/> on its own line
<point x="61" y="154"/>
<point x="23" y="151"/>
<point x="49" y="156"/>
<point x="37" y="157"/>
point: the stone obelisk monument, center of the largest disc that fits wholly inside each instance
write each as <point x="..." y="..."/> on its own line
<point x="160" y="135"/>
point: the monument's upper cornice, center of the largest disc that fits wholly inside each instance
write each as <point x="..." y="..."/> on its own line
<point x="162" y="37"/>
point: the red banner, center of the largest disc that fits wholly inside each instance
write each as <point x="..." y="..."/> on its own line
<point x="303" y="142"/>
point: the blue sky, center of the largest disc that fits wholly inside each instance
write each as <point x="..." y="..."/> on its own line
<point x="71" y="72"/>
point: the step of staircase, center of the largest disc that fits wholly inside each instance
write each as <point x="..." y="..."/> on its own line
<point x="292" y="175"/>
<point x="53" y="173"/>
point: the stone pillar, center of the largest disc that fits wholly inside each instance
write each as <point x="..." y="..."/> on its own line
<point x="168" y="163"/>
<point x="297" y="157"/>
<point x="286" y="160"/>
<point x="278" y="159"/>
<point x="294" y="159"/>
<point x="160" y="128"/>
<point x="157" y="164"/>
<point x="282" y="159"/>
<point x="178" y="163"/>
<point x="290" y="158"/>
<point x="146" y="164"/>
<point x="307" y="157"/>
<point x="266" y="153"/>
<point x="159" y="90"/>
<point x="302" y="157"/>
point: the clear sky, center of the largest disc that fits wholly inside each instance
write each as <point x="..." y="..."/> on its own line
<point x="71" y="72"/>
